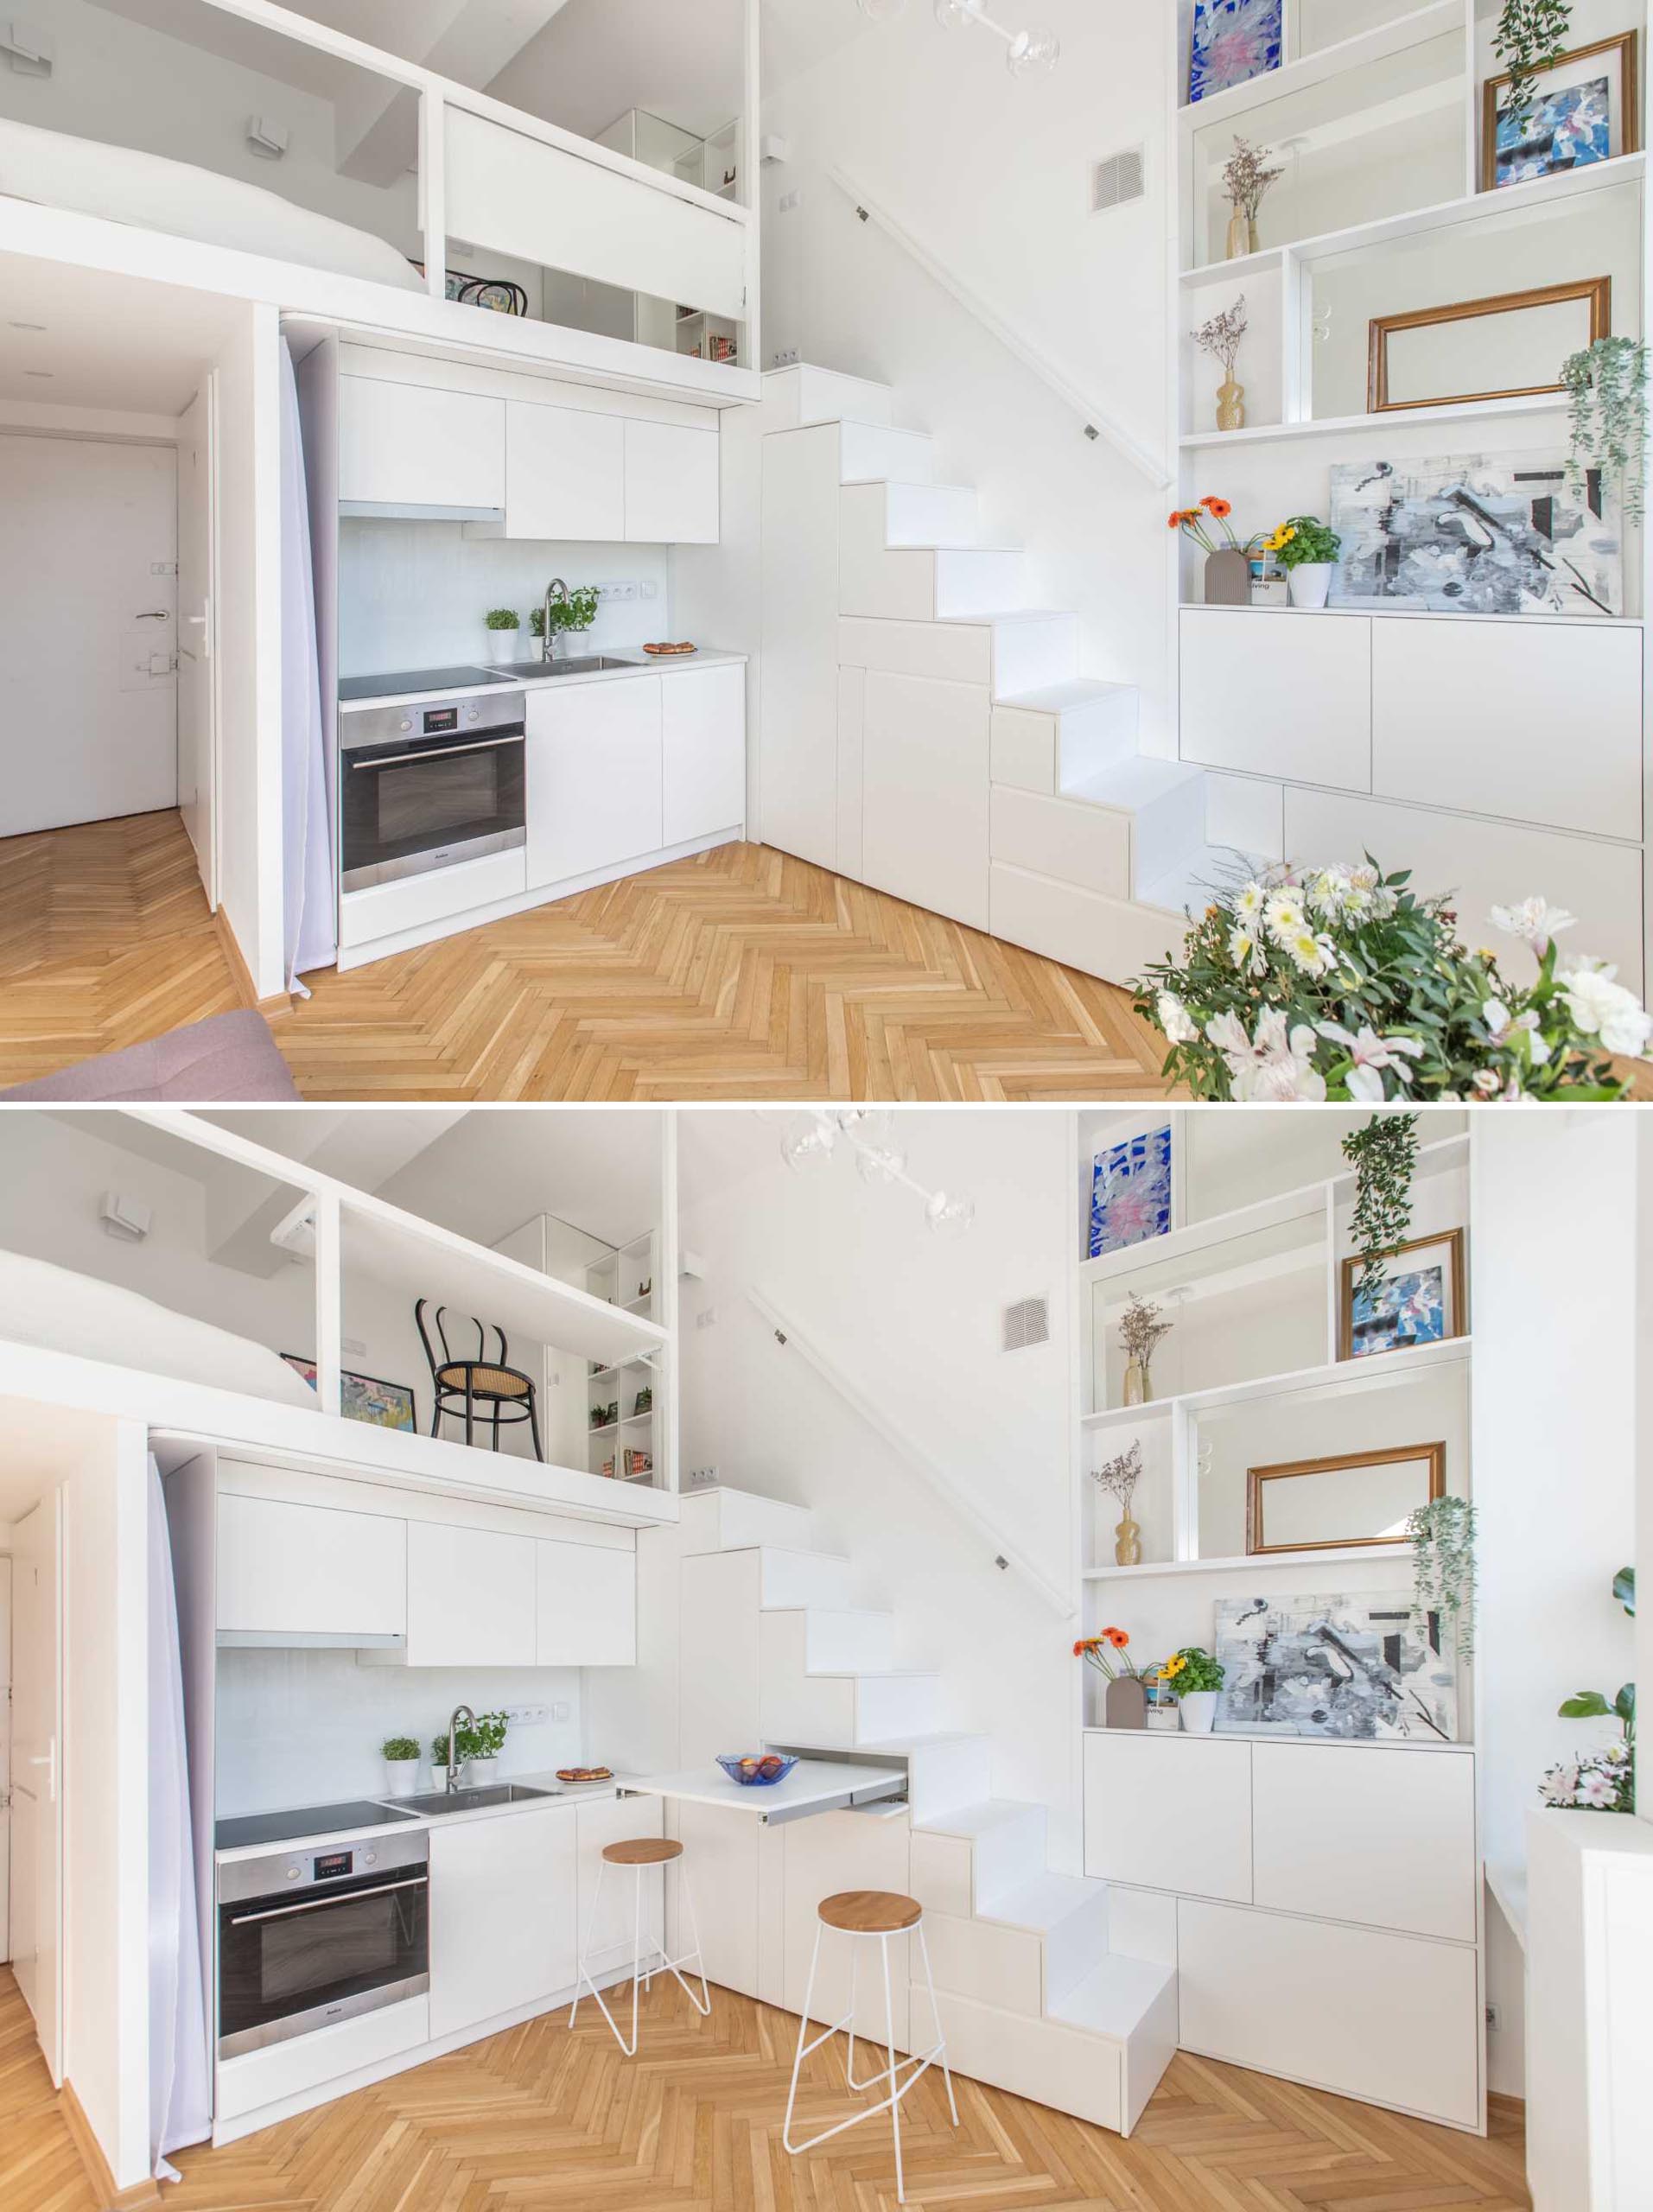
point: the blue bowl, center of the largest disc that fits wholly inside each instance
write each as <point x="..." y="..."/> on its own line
<point x="731" y="1762"/>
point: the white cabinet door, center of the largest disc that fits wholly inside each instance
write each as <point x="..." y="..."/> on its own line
<point x="502" y="1915"/>
<point x="703" y="749"/>
<point x="406" y="445"/>
<point x="471" y="1596"/>
<point x="565" y="474"/>
<point x="1385" y="1838"/>
<point x="585" y="1606"/>
<point x="307" y="1570"/>
<point x="799" y="741"/>
<point x="1277" y="694"/>
<point x="824" y="1854"/>
<point x="924" y="793"/>
<point x="1392" y="2020"/>
<point x="722" y="1851"/>
<point x="1169" y="1813"/>
<point x="670" y="484"/>
<point x="1540" y="722"/>
<point x="605" y="1940"/>
<point x="594" y="777"/>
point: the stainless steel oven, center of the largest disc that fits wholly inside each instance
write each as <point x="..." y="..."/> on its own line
<point x="307" y="1938"/>
<point x="430" y="783"/>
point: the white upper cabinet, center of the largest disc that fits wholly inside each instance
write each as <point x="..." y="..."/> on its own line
<point x="586" y="1606"/>
<point x="565" y="474"/>
<point x="594" y="777"/>
<point x="703" y="734"/>
<point x="292" y="1573"/>
<point x="671" y="484"/>
<point x="408" y="445"/>
<point x="471" y="1596"/>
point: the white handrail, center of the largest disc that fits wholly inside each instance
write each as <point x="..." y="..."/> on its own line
<point x="1098" y="422"/>
<point x="1005" y="1554"/>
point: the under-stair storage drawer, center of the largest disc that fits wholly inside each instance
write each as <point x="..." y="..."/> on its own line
<point x="412" y="445"/>
<point x="502" y="1918"/>
<point x="291" y="1572"/>
<point x="924" y="793"/>
<point x="1110" y="937"/>
<point x="1383" y="1837"/>
<point x="1392" y="2020"/>
<point x="471" y="1596"/>
<point x="1276" y="694"/>
<point x="585" y="1606"/>
<point x="1168" y="1813"/>
<point x="1090" y="846"/>
<point x="1538" y="722"/>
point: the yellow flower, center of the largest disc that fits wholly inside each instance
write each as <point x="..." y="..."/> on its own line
<point x="1172" y="1668"/>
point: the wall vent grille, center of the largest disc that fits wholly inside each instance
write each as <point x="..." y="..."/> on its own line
<point x="1026" y="1324"/>
<point x="1122" y="177"/>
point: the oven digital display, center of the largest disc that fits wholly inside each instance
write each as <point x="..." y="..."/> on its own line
<point x="333" y="1863"/>
<point x="437" y="719"/>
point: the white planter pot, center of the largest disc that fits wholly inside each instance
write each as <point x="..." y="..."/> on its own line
<point x="1198" y="1711"/>
<point x="507" y="645"/>
<point x="1309" y="582"/>
<point x="401" y="1778"/>
<point x="481" y="1774"/>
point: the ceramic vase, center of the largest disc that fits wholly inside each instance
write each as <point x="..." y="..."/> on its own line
<point x="1138" y="1384"/>
<point x="401" y="1776"/>
<point x="1310" y="581"/>
<point x="1198" y="1711"/>
<point x="1228" y="583"/>
<point x="1128" y="1543"/>
<point x="1242" y="234"/>
<point x="1126" y="1703"/>
<point x="1230" y="405"/>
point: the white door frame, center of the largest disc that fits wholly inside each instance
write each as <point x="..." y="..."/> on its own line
<point x="205" y="623"/>
<point x="38" y="1549"/>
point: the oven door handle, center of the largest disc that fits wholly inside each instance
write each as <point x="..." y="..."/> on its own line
<point x="320" y="1904"/>
<point x="442" y="752"/>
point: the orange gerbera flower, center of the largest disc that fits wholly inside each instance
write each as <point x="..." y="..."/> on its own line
<point x="1117" y="1638"/>
<point x="1221" y="508"/>
<point x="1176" y="519"/>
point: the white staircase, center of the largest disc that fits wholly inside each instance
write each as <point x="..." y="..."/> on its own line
<point x="1091" y="851"/>
<point x="1032" y="1998"/>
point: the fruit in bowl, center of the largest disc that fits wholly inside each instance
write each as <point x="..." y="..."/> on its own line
<point x="755" y="1769"/>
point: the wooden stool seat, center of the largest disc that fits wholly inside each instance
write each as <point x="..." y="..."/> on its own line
<point x="870" y="1912"/>
<point x="642" y="1851"/>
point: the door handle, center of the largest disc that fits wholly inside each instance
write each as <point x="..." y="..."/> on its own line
<point x="154" y="614"/>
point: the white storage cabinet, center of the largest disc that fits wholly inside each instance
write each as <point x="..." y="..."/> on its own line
<point x="585" y="1601"/>
<point x="412" y="445"/>
<point x="594" y="777"/>
<point x="565" y="474"/>
<point x="472" y="1597"/>
<point x="671" y="484"/>
<point x="503" y="1895"/>
<point x="290" y="1570"/>
<point x="702" y="725"/>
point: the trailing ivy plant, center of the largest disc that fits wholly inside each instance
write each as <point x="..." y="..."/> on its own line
<point x="1442" y="1534"/>
<point x="1529" y="39"/>
<point x="1383" y="1155"/>
<point x="1605" y="384"/>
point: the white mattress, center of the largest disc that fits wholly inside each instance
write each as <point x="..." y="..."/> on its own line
<point x="56" y="1309"/>
<point x="187" y="202"/>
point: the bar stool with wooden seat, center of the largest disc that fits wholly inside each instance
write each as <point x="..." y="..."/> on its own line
<point x="861" y="1914"/>
<point x="640" y="1853"/>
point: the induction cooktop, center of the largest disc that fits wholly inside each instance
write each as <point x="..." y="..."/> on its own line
<point x="308" y="1819"/>
<point x="401" y="681"/>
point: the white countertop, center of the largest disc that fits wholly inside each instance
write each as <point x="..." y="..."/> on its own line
<point x="565" y="1793"/>
<point x="813" y="1783"/>
<point x="637" y="663"/>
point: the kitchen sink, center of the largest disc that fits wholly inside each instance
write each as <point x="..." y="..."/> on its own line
<point x="474" y="1801"/>
<point x="582" y="666"/>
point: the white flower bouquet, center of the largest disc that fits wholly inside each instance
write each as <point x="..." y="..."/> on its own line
<point x="1599" y="1782"/>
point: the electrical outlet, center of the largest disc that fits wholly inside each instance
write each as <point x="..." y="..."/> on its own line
<point x="562" y="1710"/>
<point x="706" y="1317"/>
<point x="1494" y="2020"/>
<point x="784" y="357"/>
<point x="626" y="591"/>
<point x="649" y="590"/>
<point x="524" y="1716"/>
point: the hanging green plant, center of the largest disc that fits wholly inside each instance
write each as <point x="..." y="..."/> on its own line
<point x="1606" y="392"/>
<point x="1530" y="38"/>
<point x="1442" y="1534"/>
<point x="1383" y="1155"/>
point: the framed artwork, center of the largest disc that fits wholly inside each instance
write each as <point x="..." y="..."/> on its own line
<point x="1419" y="359"/>
<point x="364" y="1397"/>
<point x="1130" y="1193"/>
<point x="1477" y="534"/>
<point x="1354" y="1667"/>
<point x="1233" y="42"/>
<point x="1358" y="1498"/>
<point x="1584" y="108"/>
<point x="1422" y="1300"/>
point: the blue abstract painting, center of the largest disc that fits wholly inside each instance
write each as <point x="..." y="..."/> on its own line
<point x="1403" y="1311"/>
<point x="1130" y="1193"/>
<point x="1565" y="129"/>
<point x="1234" y="41"/>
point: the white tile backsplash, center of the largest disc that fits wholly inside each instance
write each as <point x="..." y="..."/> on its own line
<point x="304" y="1727"/>
<point x="412" y="595"/>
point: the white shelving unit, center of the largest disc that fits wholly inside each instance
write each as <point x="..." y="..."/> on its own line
<point x="625" y="1447"/>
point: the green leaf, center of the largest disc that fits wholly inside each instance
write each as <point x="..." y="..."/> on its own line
<point x="1624" y="1704"/>
<point x="1625" y="1588"/>
<point x="1585" y="1704"/>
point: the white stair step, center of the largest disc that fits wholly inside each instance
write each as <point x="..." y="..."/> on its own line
<point x="873" y="452"/>
<point x="1032" y="646"/>
<point x="1072" y="1915"/>
<point x="1166" y="800"/>
<point x="724" y="1520"/>
<point x="1115" y="1997"/>
<point x="943" y="1770"/>
<point x="895" y="1705"/>
<point x="1006" y="1836"/>
<point x="1062" y="731"/>
<point x="1042" y="2060"/>
<point x="978" y="580"/>
<point x="931" y="515"/>
<point x="791" y="1580"/>
<point x="849" y="1642"/>
<point x="915" y="583"/>
<point x="828" y="396"/>
<point x="1187" y="888"/>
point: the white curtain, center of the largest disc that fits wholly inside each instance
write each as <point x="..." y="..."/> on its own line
<point x="181" y="2096"/>
<point x="308" y="934"/>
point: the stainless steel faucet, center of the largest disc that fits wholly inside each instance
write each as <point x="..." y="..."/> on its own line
<point x="557" y="593"/>
<point x="461" y="1712"/>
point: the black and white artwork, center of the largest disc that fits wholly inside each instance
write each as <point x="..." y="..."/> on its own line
<point x="1355" y="1667"/>
<point x="1477" y="534"/>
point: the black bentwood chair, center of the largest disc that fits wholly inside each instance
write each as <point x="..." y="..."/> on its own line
<point x="480" y="1389"/>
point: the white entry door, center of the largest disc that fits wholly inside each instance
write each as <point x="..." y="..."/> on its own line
<point x="88" y="631"/>
<point x="37" y="1803"/>
<point x="197" y="641"/>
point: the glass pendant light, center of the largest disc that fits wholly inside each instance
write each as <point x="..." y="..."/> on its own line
<point x="948" y="1217"/>
<point x="807" y="1146"/>
<point x="880" y="1163"/>
<point x="955" y="15"/>
<point x="1029" y="52"/>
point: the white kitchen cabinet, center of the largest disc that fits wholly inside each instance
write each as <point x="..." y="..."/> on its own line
<point x="671" y="484"/>
<point x="290" y="1571"/>
<point x="472" y="1597"/>
<point x="1539" y="721"/>
<point x="502" y="1915"/>
<point x="1168" y="1813"/>
<point x="409" y="445"/>
<point x="824" y="1854"/>
<point x="702" y="733"/>
<point x="606" y="1940"/>
<point x="925" y="792"/>
<point x="594" y="777"/>
<point x="585" y="1606"/>
<point x="722" y="1851"/>
<point x="1387" y="1838"/>
<point x="1391" y="2019"/>
<point x="1278" y="694"/>
<point x="565" y="474"/>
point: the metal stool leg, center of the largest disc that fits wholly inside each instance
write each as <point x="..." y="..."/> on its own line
<point x="896" y="2101"/>
<point x="584" y="1974"/>
<point x="703" y="2004"/>
<point x="803" y="2048"/>
<point x="935" y="2014"/>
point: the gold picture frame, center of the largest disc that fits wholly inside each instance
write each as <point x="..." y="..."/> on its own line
<point x="1454" y="1299"/>
<point x="1596" y="291"/>
<point x="1625" y="45"/>
<point x="1431" y="1456"/>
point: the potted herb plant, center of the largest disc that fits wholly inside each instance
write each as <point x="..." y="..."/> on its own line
<point x="571" y="616"/>
<point x="477" y="1749"/>
<point x="503" y="624"/>
<point x="401" y="1757"/>
<point x="1194" y="1679"/>
<point x="1306" y="550"/>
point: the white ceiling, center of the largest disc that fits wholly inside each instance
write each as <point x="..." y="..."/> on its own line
<point x="109" y="342"/>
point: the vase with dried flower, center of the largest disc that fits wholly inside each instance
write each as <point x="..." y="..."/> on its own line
<point x="1124" y="1702"/>
<point x="1139" y="1329"/>
<point x="1228" y="567"/>
<point x="1246" y="179"/>
<point x="1220" y="337"/>
<point x="1120" y="1478"/>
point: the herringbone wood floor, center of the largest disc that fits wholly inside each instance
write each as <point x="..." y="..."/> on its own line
<point x="541" y="2119"/>
<point x="740" y="973"/>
